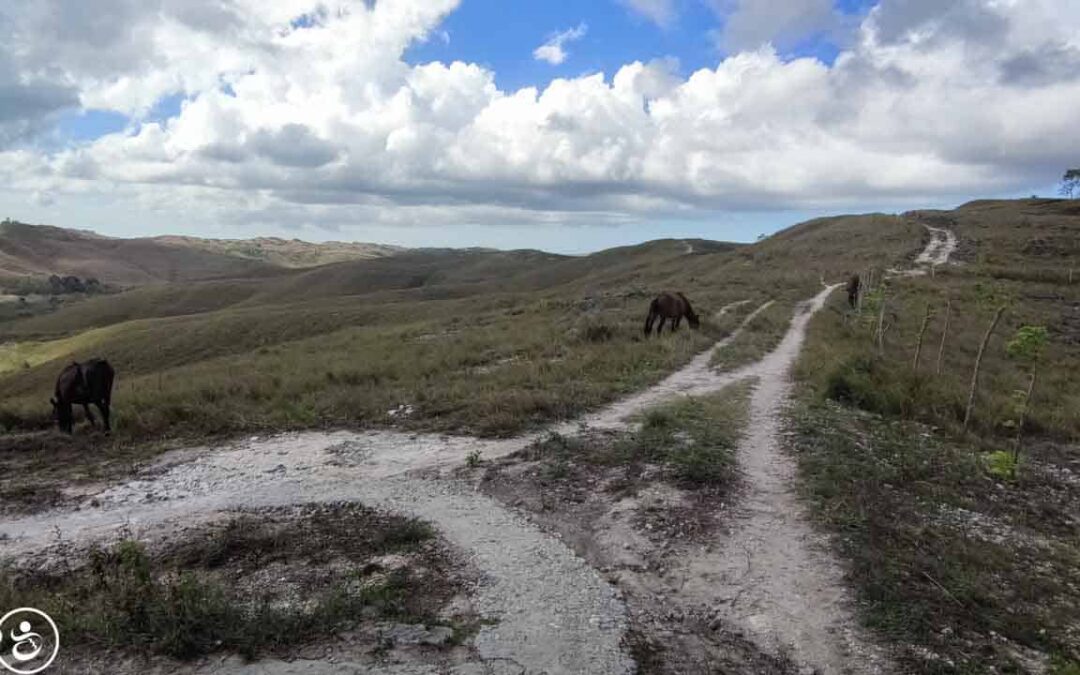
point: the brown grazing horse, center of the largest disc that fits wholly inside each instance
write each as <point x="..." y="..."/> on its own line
<point x="853" y="285"/>
<point x="670" y="307"/>
<point x="83" y="384"/>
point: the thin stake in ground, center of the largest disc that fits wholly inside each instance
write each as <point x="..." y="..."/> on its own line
<point x="944" y="335"/>
<point x="978" y="364"/>
<point x="922" y="332"/>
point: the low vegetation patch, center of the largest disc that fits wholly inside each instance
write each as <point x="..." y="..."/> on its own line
<point x="692" y="440"/>
<point x="848" y="359"/>
<point x="936" y="438"/>
<point x="963" y="570"/>
<point x="759" y="337"/>
<point x="264" y="582"/>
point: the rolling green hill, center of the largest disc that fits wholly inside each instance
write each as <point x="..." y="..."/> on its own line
<point x="475" y="340"/>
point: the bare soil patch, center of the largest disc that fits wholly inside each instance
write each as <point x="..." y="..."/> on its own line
<point x="295" y="582"/>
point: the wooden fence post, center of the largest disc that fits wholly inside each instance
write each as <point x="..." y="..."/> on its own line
<point x="944" y="334"/>
<point x="922" y="332"/>
<point x="978" y="364"/>
<point x="881" y="325"/>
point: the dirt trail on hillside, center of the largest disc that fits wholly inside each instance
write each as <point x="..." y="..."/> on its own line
<point x="941" y="246"/>
<point x="772" y="575"/>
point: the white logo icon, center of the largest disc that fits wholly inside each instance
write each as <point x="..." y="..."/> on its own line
<point x="29" y="641"/>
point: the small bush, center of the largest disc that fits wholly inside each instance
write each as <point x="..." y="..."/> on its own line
<point x="598" y="332"/>
<point x="1002" y="464"/>
<point x="659" y="419"/>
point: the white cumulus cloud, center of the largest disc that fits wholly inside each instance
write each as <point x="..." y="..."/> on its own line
<point x="552" y="51"/>
<point x="322" y="121"/>
<point x="747" y="24"/>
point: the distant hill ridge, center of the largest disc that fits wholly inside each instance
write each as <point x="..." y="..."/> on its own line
<point x="285" y="252"/>
<point x="45" y="250"/>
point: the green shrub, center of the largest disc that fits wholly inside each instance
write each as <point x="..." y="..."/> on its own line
<point x="1002" y="464"/>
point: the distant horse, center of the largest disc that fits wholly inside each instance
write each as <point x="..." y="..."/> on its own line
<point x="853" y="286"/>
<point x="83" y="384"/>
<point x="670" y="307"/>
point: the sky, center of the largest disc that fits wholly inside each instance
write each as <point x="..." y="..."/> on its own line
<point x="556" y="125"/>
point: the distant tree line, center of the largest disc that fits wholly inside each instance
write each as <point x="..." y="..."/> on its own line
<point x="56" y="285"/>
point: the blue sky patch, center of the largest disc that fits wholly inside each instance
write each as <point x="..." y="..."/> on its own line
<point x="80" y="126"/>
<point x="502" y="39"/>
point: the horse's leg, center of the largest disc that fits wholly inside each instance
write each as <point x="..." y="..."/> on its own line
<point x="675" y="323"/>
<point x="649" y="323"/>
<point x="103" y="406"/>
<point x="89" y="415"/>
<point x="660" y="328"/>
<point x="67" y="418"/>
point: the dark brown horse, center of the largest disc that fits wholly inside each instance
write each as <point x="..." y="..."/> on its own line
<point x="83" y="384"/>
<point x="853" y="286"/>
<point x="670" y="307"/>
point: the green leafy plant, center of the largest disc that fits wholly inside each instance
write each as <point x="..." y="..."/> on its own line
<point x="1027" y="347"/>
<point x="1002" y="464"/>
<point x="1028" y="344"/>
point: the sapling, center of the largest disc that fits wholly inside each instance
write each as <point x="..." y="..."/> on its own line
<point x="1026" y="347"/>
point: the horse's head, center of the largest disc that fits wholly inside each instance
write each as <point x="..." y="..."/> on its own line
<point x="693" y="319"/>
<point x="62" y="414"/>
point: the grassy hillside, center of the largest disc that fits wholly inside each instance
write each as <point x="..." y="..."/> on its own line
<point x="964" y="558"/>
<point x="477" y="341"/>
<point x="38" y="250"/>
<point x="284" y="252"/>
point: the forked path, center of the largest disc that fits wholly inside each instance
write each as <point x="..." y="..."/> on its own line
<point x="773" y="574"/>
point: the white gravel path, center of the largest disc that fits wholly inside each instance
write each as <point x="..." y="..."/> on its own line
<point x="941" y="246"/>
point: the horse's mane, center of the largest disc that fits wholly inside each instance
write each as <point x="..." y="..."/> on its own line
<point x="689" y="309"/>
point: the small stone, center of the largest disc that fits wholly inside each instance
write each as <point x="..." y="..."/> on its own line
<point x="403" y="634"/>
